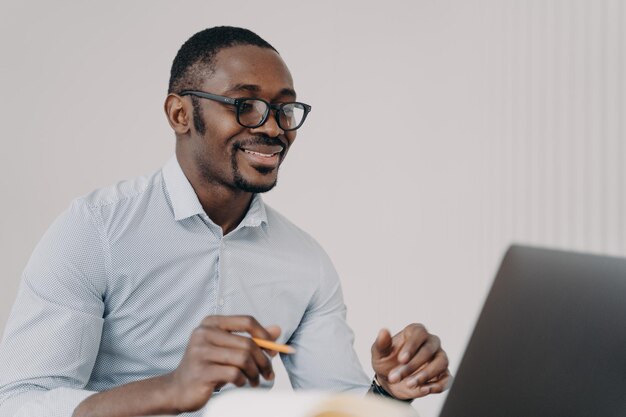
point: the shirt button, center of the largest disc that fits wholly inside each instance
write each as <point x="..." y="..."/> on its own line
<point x="221" y="302"/>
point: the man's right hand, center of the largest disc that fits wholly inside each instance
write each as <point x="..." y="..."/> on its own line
<point x="214" y="357"/>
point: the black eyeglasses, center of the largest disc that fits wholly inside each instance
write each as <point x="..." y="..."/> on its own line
<point x="253" y="112"/>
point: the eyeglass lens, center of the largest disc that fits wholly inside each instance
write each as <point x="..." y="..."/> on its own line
<point x="252" y="113"/>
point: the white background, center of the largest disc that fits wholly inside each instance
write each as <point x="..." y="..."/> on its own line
<point x="441" y="132"/>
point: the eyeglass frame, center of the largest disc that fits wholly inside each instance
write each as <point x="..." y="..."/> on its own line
<point x="237" y="103"/>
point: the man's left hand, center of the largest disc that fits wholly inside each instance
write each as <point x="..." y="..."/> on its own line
<point x="410" y="364"/>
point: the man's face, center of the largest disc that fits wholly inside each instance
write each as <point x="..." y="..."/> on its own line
<point x="227" y="153"/>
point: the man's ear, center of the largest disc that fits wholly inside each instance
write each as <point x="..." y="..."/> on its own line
<point x="178" y="113"/>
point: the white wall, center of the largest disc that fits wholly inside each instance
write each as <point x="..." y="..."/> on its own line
<point x="441" y="131"/>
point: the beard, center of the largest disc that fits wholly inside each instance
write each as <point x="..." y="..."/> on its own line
<point x="240" y="182"/>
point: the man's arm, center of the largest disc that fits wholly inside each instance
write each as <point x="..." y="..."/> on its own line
<point x="52" y="338"/>
<point x="53" y="334"/>
<point x="325" y="358"/>
<point x="407" y="366"/>
<point x="213" y="358"/>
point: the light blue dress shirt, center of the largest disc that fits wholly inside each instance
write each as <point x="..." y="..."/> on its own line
<point x="116" y="285"/>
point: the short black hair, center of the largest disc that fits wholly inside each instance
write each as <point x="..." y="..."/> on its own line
<point x="196" y="57"/>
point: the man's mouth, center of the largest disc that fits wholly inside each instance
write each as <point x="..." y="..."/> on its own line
<point x="262" y="156"/>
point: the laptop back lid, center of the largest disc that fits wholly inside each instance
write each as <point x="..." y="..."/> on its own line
<point x="549" y="342"/>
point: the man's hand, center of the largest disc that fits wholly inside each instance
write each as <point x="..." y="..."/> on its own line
<point x="214" y="357"/>
<point x="410" y="364"/>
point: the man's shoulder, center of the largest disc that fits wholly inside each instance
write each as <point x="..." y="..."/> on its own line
<point x="278" y="223"/>
<point x="122" y="192"/>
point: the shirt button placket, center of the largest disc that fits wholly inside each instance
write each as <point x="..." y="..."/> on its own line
<point x="219" y="299"/>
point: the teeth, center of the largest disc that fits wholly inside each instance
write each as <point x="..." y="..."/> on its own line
<point x="264" y="155"/>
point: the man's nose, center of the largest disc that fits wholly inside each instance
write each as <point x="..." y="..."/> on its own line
<point x="270" y="127"/>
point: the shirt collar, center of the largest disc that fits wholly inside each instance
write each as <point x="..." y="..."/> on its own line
<point x="256" y="215"/>
<point x="185" y="202"/>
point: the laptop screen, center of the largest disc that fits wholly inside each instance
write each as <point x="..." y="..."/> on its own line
<point x="549" y="342"/>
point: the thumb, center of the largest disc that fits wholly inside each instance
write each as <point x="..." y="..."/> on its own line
<point x="274" y="332"/>
<point x="382" y="345"/>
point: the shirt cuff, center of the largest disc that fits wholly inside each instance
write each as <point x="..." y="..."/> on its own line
<point x="59" y="402"/>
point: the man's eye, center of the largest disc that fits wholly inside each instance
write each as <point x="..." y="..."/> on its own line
<point x="246" y="107"/>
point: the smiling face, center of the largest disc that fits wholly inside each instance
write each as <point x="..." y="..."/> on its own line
<point x="224" y="152"/>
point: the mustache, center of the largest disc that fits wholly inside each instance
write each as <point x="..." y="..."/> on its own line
<point x="262" y="140"/>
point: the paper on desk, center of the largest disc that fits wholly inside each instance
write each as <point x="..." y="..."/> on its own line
<point x="265" y="403"/>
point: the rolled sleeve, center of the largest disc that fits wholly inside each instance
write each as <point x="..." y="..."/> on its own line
<point x="325" y="358"/>
<point x="59" y="402"/>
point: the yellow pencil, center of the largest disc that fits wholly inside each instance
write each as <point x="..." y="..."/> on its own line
<point x="266" y="344"/>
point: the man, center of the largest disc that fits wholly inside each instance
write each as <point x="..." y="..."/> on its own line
<point x="141" y="297"/>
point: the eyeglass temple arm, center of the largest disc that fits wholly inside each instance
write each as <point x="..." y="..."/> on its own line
<point x="209" y="96"/>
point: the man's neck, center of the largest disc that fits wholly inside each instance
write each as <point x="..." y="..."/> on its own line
<point x="225" y="206"/>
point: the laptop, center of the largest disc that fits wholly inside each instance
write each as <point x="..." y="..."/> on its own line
<point x="549" y="342"/>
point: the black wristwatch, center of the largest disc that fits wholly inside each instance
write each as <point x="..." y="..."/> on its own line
<point x="377" y="389"/>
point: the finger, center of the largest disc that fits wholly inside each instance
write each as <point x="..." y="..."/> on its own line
<point x="418" y="348"/>
<point x="412" y="341"/>
<point x="237" y="324"/>
<point x="221" y="375"/>
<point x="439" y="377"/>
<point x="425" y="356"/>
<point x="236" y="358"/>
<point x="431" y="370"/>
<point x="443" y="383"/>
<point x="416" y="336"/>
<point x="224" y="339"/>
<point x="437" y="386"/>
<point x="383" y="345"/>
